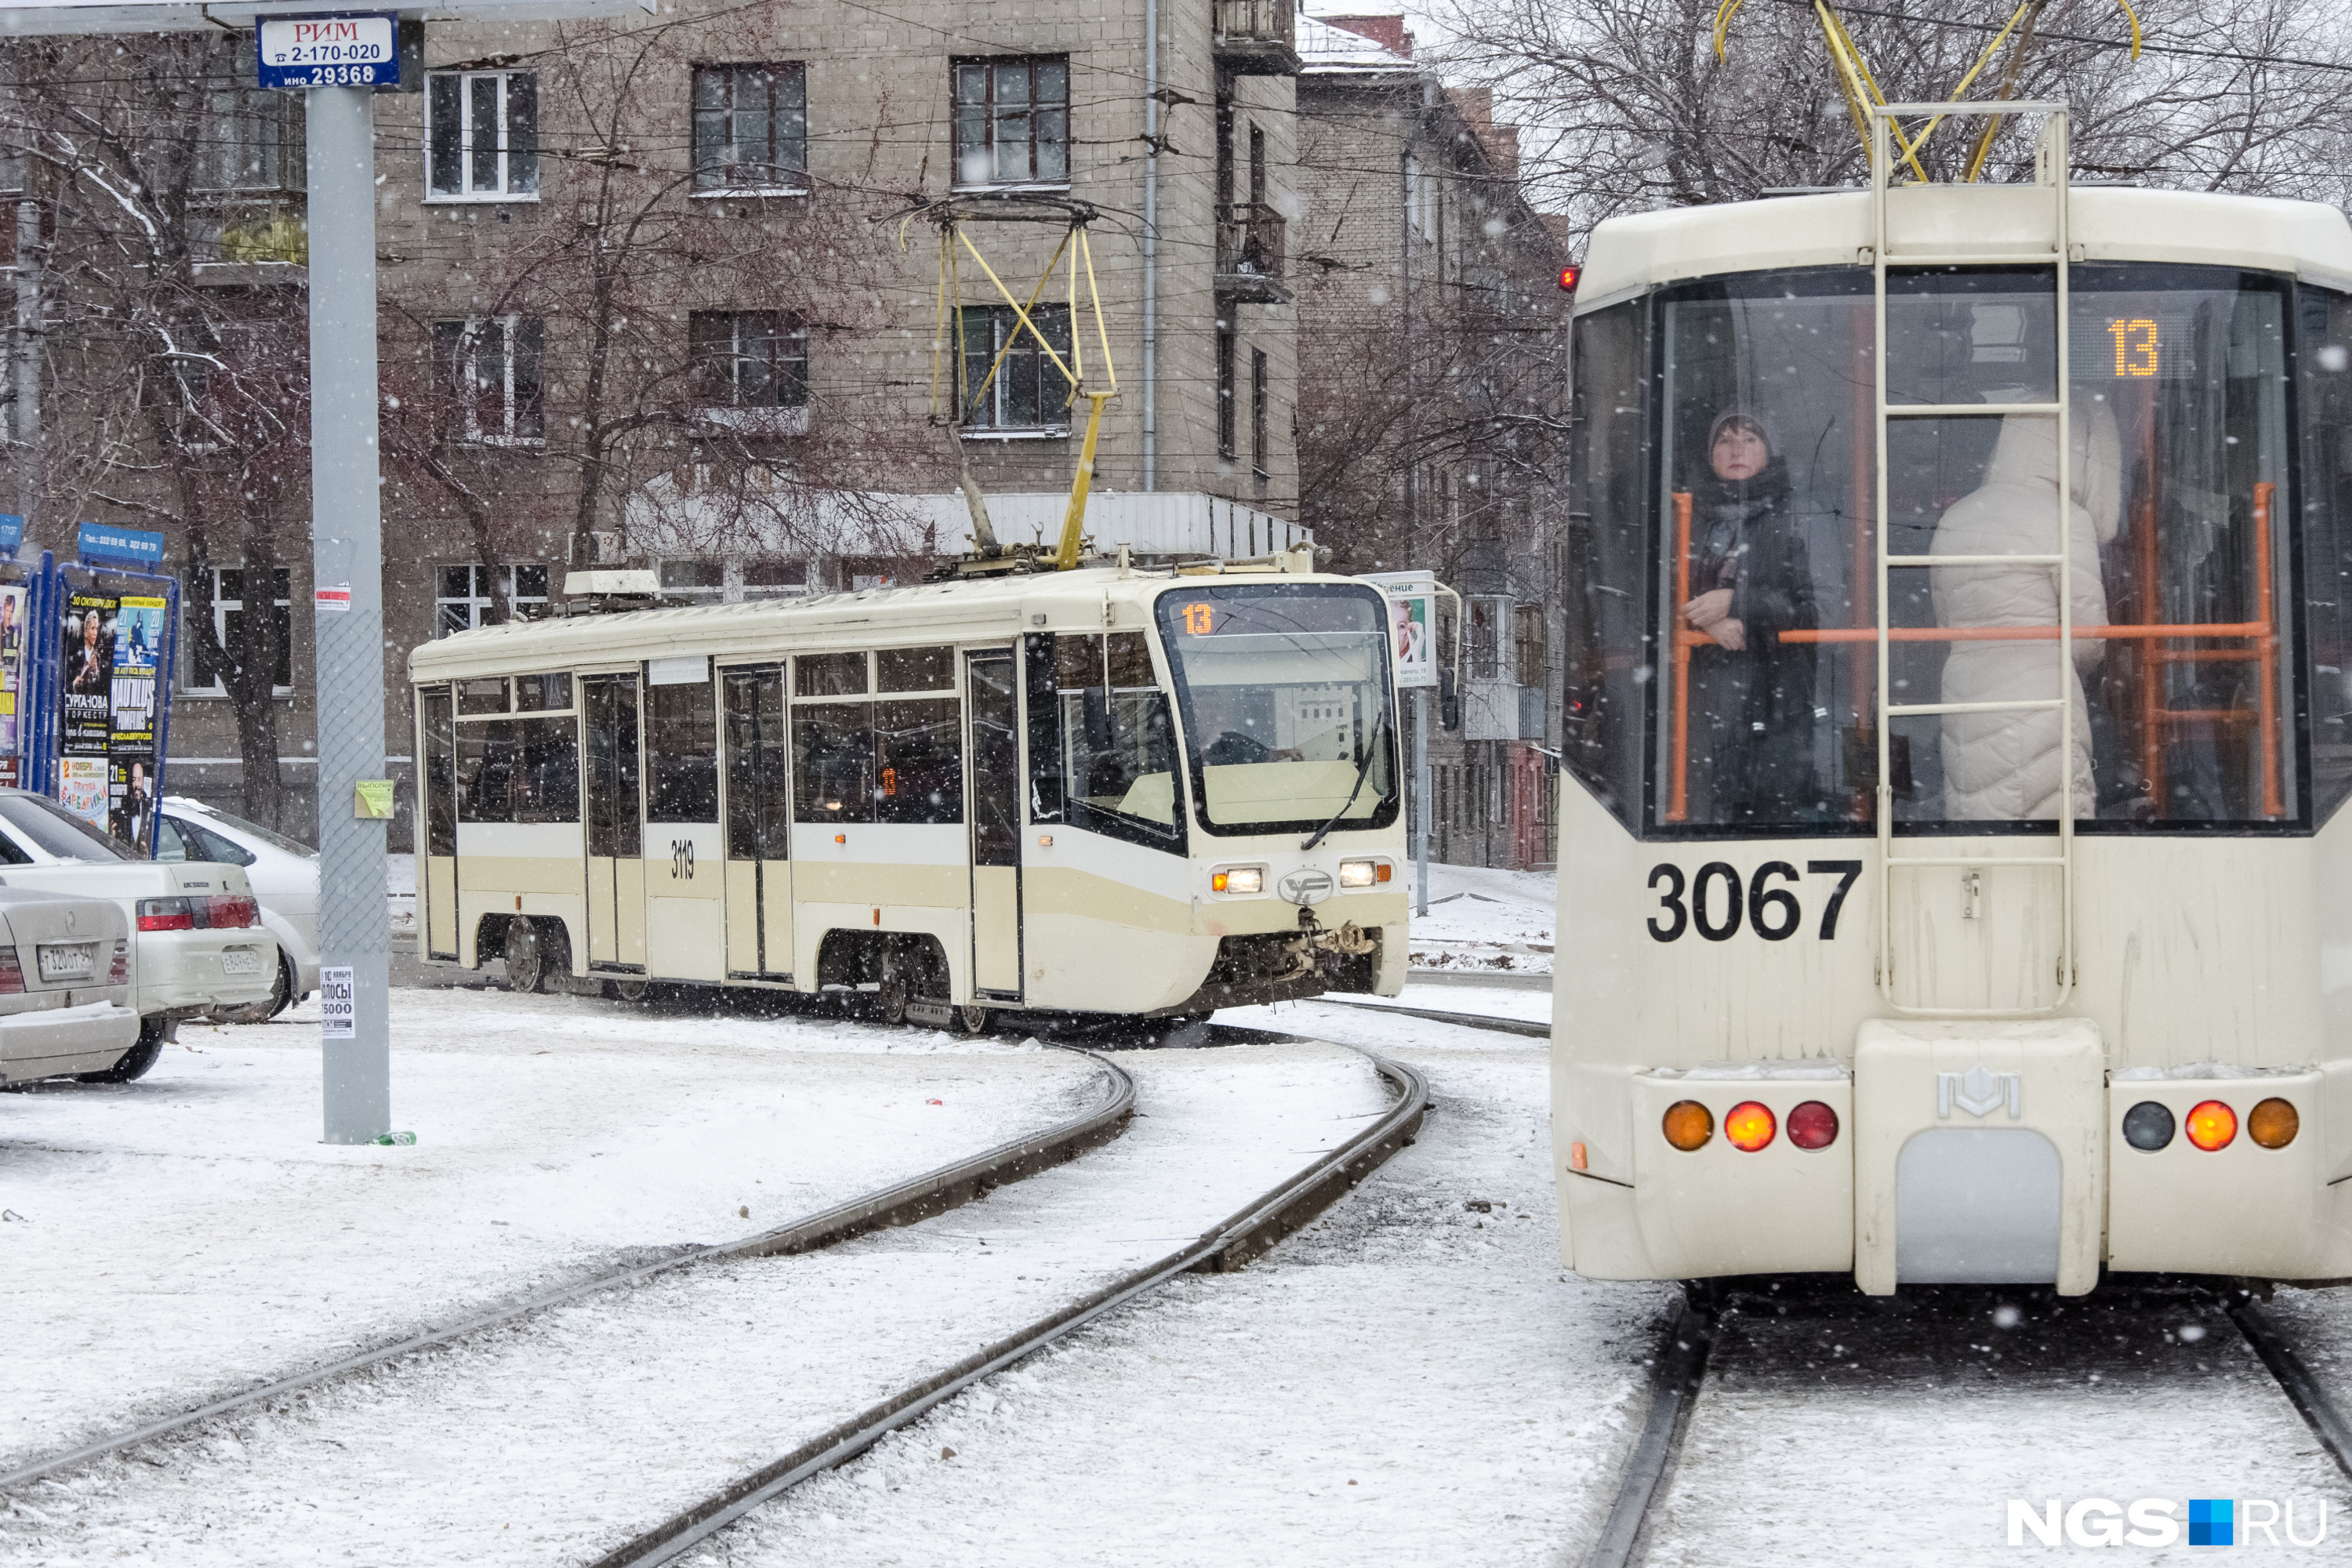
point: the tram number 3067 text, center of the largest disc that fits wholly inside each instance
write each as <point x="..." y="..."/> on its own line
<point x="1773" y="910"/>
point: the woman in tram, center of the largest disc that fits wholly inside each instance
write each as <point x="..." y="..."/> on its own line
<point x="1751" y="579"/>
<point x="2003" y="766"/>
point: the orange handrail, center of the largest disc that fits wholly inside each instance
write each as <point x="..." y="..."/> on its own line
<point x="2273" y="802"/>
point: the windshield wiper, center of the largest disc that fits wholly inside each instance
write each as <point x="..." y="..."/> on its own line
<point x="1362" y="768"/>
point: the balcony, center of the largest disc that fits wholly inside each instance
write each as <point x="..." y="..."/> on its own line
<point x="1257" y="37"/>
<point x="1249" y="255"/>
<point x="248" y="240"/>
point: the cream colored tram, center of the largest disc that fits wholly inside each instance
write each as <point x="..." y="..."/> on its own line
<point x="1980" y="908"/>
<point x="1097" y="790"/>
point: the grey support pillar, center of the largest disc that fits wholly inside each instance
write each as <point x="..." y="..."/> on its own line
<point x="1421" y="798"/>
<point x="347" y="547"/>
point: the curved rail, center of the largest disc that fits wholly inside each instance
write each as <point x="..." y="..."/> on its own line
<point x="1527" y="1027"/>
<point x="903" y="1202"/>
<point x="1245" y="1236"/>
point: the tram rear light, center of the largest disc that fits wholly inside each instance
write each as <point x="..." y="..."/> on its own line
<point x="2149" y="1126"/>
<point x="1358" y="873"/>
<point x="2273" y="1123"/>
<point x="1813" y="1125"/>
<point x="1568" y="276"/>
<point x="2212" y="1125"/>
<point x="1689" y="1125"/>
<point x="1749" y="1125"/>
<point x="1240" y="879"/>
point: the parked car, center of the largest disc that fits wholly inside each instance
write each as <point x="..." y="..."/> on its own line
<point x="197" y="943"/>
<point x="66" y="991"/>
<point x="284" y="873"/>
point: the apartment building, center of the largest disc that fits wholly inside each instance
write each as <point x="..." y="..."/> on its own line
<point x="667" y="291"/>
<point x="1433" y="338"/>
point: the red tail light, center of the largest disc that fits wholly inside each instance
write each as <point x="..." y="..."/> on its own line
<point x="166" y="914"/>
<point x="12" y="973"/>
<point x="1813" y="1125"/>
<point x="117" y="973"/>
<point x="231" y="911"/>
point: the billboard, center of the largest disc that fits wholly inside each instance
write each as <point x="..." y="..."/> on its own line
<point x="1412" y="624"/>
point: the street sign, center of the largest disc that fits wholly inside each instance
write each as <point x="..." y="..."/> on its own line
<point x="99" y="544"/>
<point x="327" y="51"/>
<point x="12" y="535"/>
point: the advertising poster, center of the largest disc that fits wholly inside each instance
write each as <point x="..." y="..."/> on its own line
<point x="1412" y="624"/>
<point x="138" y="642"/>
<point x="86" y="721"/>
<point x="12" y="666"/>
<point x="82" y="788"/>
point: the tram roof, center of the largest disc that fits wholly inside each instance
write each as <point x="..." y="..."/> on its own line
<point x="1082" y="600"/>
<point x="1629" y="255"/>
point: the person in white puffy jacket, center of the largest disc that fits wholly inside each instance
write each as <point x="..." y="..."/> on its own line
<point x="2004" y="766"/>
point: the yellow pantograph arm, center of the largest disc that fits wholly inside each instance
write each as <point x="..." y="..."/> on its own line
<point x="1102" y="331"/>
<point x="1020" y="311"/>
<point x="1849" y="52"/>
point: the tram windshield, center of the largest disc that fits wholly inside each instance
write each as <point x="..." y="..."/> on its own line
<point x="1284" y="693"/>
<point x="1725" y="662"/>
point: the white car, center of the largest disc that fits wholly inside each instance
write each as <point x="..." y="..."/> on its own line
<point x="65" y="991"/>
<point x="284" y="873"/>
<point x="197" y="943"/>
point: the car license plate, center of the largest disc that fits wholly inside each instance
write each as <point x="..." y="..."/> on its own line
<point x="246" y="961"/>
<point x="68" y="959"/>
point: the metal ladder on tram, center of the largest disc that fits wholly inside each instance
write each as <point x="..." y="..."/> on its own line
<point x="2050" y="165"/>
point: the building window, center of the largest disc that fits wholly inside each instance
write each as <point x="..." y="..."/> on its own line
<point x="491" y="369"/>
<point x="467" y="593"/>
<point x="1257" y="416"/>
<point x="1227" y="443"/>
<point x="228" y="618"/>
<point x="251" y="140"/>
<point x="1012" y="122"/>
<point x="749" y="359"/>
<point x="693" y="581"/>
<point x="481" y="135"/>
<point x="751" y="128"/>
<point x="1028" y="392"/>
<point x="1529" y="641"/>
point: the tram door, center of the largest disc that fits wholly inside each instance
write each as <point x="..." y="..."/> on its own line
<point x="686" y="868"/>
<point x="994" y="748"/>
<point x="616" y="867"/>
<point x="758" y="825"/>
<point x="439" y="824"/>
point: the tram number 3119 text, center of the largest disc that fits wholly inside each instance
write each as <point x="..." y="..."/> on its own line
<point x="1773" y="910"/>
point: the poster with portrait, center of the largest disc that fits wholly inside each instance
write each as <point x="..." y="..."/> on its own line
<point x="138" y="642"/>
<point x="12" y="667"/>
<point x="86" y="676"/>
<point x="1412" y="624"/>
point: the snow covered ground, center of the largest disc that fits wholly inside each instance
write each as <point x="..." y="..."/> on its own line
<point x="174" y="1239"/>
<point x="1483" y="920"/>
<point x="553" y="1440"/>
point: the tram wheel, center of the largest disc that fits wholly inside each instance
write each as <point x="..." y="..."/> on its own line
<point x="626" y="990"/>
<point x="526" y="956"/>
<point x="972" y="1018"/>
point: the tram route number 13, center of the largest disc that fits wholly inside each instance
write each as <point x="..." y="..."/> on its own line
<point x="1773" y="912"/>
<point x="681" y="860"/>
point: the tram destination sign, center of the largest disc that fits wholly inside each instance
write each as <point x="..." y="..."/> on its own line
<point x="327" y="51"/>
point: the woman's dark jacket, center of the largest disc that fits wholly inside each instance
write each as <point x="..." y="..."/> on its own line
<point x="1752" y="723"/>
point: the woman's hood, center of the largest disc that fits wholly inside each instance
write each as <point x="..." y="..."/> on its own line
<point x="2026" y="454"/>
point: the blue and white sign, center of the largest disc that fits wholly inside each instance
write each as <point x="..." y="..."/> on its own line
<point x="329" y="51"/>
<point x="101" y="545"/>
<point x="12" y="534"/>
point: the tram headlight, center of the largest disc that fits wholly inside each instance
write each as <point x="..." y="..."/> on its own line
<point x="1238" y="880"/>
<point x="2149" y="1126"/>
<point x="1689" y="1125"/>
<point x="1361" y="873"/>
<point x="2273" y="1123"/>
<point x="2212" y="1125"/>
<point x="1749" y="1125"/>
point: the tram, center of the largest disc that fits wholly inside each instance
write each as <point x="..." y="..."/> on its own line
<point x="1106" y="790"/>
<point x="1961" y="674"/>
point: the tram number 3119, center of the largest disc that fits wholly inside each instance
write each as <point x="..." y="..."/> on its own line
<point x="1770" y="910"/>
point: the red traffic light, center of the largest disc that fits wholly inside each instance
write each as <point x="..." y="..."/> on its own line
<point x="1568" y="278"/>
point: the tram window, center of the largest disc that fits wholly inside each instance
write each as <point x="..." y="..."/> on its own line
<point x="681" y="753"/>
<point x="518" y="770"/>
<point x="614" y="829"/>
<point x="543" y="693"/>
<point x="915" y="669"/>
<point x="829" y="675"/>
<point x="482" y="696"/>
<point x="995" y="764"/>
<point x="2323" y="361"/>
<point x="759" y="783"/>
<point x="918" y="761"/>
<point x="1610" y="656"/>
<point x="833" y="761"/>
<point x="1112" y="737"/>
<point x="440" y="775"/>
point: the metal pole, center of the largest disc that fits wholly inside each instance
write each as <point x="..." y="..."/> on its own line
<point x="1421" y="800"/>
<point x="347" y="546"/>
<point x="1150" y="244"/>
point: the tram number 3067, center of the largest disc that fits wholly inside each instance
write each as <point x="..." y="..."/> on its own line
<point x="1771" y="911"/>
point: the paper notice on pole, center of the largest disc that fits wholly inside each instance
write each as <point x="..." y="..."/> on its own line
<point x="338" y="1015"/>
<point x="334" y="601"/>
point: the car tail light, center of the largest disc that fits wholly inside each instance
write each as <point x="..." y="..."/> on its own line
<point x="2149" y="1126"/>
<point x="166" y="914"/>
<point x="12" y="973"/>
<point x="1749" y="1126"/>
<point x="2212" y="1125"/>
<point x="232" y="911"/>
<point x="1813" y="1125"/>
<point x="2273" y="1123"/>
<point x="1689" y="1125"/>
<point x="117" y="973"/>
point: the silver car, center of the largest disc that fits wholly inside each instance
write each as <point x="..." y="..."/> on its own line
<point x="66" y="993"/>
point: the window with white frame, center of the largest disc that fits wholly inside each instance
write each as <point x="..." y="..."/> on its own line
<point x="751" y="128"/>
<point x="466" y="594"/>
<point x="482" y="136"/>
<point x="1013" y="120"/>
<point x="491" y="370"/>
<point x="250" y="139"/>
<point x="229" y="623"/>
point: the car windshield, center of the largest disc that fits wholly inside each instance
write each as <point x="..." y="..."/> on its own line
<point x="54" y="831"/>
<point x="1284" y="690"/>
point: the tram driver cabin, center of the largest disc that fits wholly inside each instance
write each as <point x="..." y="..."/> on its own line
<point x="1103" y="790"/>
